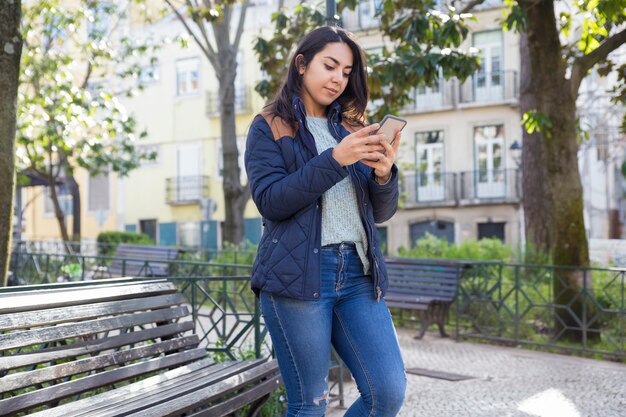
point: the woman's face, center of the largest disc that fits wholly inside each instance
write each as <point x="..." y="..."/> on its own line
<point x="325" y="78"/>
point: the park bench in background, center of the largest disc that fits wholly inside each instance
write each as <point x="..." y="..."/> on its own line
<point x="116" y="347"/>
<point x="427" y="287"/>
<point x="142" y="260"/>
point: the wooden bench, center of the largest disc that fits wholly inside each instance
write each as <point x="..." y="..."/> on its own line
<point x="142" y="260"/>
<point x="426" y="286"/>
<point x="112" y="348"/>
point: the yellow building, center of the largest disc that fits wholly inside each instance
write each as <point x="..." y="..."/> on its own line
<point x="178" y="198"/>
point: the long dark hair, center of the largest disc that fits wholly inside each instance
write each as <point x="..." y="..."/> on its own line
<point x="354" y="98"/>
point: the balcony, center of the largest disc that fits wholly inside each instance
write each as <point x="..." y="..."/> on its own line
<point x="437" y="97"/>
<point x="242" y="101"/>
<point x="447" y="189"/>
<point x="497" y="186"/>
<point x="186" y="190"/>
<point x="429" y="189"/>
<point x="490" y="88"/>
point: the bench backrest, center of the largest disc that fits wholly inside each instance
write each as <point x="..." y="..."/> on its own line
<point x="142" y="260"/>
<point x="428" y="278"/>
<point x="88" y="336"/>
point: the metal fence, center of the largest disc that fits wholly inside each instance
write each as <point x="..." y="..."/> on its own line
<point x="574" y="309"/>
<point x="92" y="247"/>
<point x="566" y="308"/>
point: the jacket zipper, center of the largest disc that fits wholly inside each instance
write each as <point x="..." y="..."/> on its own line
<point x="378" y="292"/>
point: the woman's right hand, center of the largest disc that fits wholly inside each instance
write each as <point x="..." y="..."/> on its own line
<point x="360" y="145"/>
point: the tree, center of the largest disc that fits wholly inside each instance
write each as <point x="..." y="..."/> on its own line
<point x="10" y="53"/>
<point x="210" y="25"/>
<point x="65" y="120"/>
<point x="424" y="40"/>
<point x="558" y="62"/>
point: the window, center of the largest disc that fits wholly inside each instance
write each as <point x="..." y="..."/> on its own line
<point x="148" y="150"/>
<point x="488" y="80"/>
<point x="149" y="227"/>
<point x="99" y="192"/>
<point x="65" y="200"/>
<point x="491" y="230"/>
<point x="187" y="76"/>
<point x="367" y="13"/>
<point x="429" y="160"/>
<point x="489" y="143"/>
<point x="149" y="74"/>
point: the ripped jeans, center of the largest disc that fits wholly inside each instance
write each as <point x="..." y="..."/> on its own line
<point x="359" y="328"/>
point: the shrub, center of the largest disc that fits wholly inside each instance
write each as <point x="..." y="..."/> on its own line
<point x="431" y="247"/>
<point x="108" y="241"/>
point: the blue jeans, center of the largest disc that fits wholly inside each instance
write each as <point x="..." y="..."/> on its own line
<point x="359" y="328"/>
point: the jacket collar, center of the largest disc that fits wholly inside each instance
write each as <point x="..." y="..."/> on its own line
<point x="334" y="110"/>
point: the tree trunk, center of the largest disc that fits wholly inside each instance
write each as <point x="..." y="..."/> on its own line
<point x="568" y="240"/>
<point x="235" y="195"/>
<point x="10" y="55"/>
<point x="535" y="197"/>
<point x="58" y="212"/>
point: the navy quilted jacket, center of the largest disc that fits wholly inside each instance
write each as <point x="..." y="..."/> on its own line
<point x="287" y="178"/>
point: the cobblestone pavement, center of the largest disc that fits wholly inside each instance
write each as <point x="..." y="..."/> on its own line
<point x="506" y="382"/>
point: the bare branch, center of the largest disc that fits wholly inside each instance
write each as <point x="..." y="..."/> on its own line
<point x="189" y="30"/>
<point x="470" y="6"/>
<point x="584" y="63"/>
<point x="242" y="18"/>
<point x="211" y="55"/>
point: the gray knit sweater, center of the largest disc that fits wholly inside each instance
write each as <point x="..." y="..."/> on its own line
<point x="341" y="221"/>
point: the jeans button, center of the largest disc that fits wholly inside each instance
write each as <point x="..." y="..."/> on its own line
<point x="274" y="240"/>
<point x="315" y="250"/>
<point x="316" y="295"/>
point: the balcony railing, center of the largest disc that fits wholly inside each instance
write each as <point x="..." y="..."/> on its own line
<point x="496" y="184"/>
<point x="461" y="188"/>
<point x="186" y="190"/>
<point x="434" y="97"/>
<point x="490" y="87"/>
<point x="242" y="101"/>
<point x="430" y="188"/>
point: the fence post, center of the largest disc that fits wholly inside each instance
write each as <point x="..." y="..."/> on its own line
<point x="584" y="318"/>
<point x="517" y="288"/>
<point x="257" y="328"/>
<point x="194" y="311"/>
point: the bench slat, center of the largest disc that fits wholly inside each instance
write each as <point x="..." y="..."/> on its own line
<point x="423" y="275"/>
<point x="87" y="405"/>
<point x="50" y="373"/>
<point x="160" y="395"/>
<point x="210" y="393"/>
<point x="66" y="389"/>
<point x="84" y="312"/>
<point x="63" y="331"/>
<point x="116" y="401"/>
<point x="39" y="300"/>
<point x="91" y="346"/>
<point x="233" y="404"/>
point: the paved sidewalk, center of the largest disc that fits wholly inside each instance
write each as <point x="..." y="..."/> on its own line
<point x="506" y="382"/>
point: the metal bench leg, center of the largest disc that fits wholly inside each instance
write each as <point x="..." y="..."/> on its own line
<point x="257" y="405"/>
<point x="442" y="330"/>
<point x="424" y="323"/>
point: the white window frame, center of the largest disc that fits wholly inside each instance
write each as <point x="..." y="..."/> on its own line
<point x="65" y="200"/>
<point x="90" y="189"/>
<point x="187" y="67"/>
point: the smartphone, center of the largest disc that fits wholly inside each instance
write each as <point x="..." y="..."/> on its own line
<point x="389" y="125"/>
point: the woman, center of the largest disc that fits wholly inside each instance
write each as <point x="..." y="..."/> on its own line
<point x="321" y="186"/>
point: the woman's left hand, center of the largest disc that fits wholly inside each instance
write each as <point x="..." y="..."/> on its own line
<point x="382" y="167"/>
